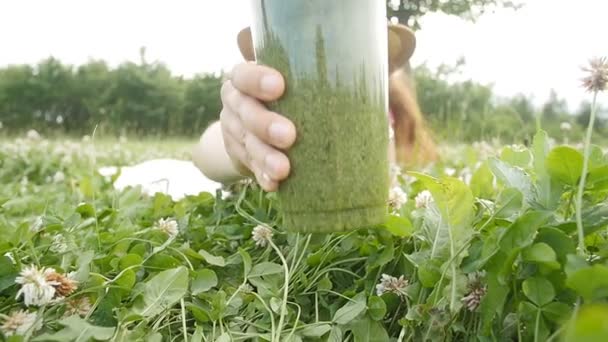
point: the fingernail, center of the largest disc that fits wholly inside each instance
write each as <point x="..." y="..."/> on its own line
<point x="279" y="132"/>
<point x="273" y="163"/>
<point x="270" y="83"/>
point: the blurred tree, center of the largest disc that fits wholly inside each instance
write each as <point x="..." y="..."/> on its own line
<point x="409" y="12"/>
<point x="584" y="114"/>
<point x="555" y="107"/>
<point x="17" y="96"/>
<point x="202" y="103"/>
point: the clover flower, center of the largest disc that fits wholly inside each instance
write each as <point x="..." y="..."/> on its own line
<point x="597" y="78"/>
<point x="79" y="306"/>
<point x="58" y="177"/>
<point x="397" y="198"/>
<point x="565" y="126"/>
<point x="59" y="244"/>
<point x="18" y="323"/>
<point x="36" y="288"/>
<point x="392" y="284"/>
<point x="262" y="235"/>
<point x="424" y="199"/>
<point x="65" y="284"/>
<point x="477" y="290"/>
<point x="168" y="226"/>
<point x="32" y="134"/>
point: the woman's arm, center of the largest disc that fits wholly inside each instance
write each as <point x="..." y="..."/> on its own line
<point x="210" y="156"/>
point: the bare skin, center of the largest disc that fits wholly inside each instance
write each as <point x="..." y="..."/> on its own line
<point x="250" y="140"/>
<point x="252" y="136"/>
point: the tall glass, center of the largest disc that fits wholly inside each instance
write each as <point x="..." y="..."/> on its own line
<point x="333" y="55"/>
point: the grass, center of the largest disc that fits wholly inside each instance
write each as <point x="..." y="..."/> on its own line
<point x="501" y="230"/>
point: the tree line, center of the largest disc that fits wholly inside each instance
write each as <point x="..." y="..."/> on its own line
<point x="147" y="99"/>
<point x="133" y="98"/>
<point x="470" y="111"/>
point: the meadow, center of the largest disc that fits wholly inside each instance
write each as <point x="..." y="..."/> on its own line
<point x="482" y="246"/>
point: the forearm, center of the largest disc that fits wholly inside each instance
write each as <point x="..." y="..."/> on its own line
<point x="210" y="156"/>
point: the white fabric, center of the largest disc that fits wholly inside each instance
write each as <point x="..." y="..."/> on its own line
<point x="176" y="178"/>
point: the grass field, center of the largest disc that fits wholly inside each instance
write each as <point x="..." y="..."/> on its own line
<point x="483" y="246"/>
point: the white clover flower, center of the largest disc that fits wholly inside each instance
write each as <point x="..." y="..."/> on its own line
<point x="35" y="287"/>
<point x="18" y="323"/>
<point x="394" y="4"/>
<point x="450" y="171"/>
<point x="168" y="226"/>
<point x="565" y="126"/>
<point x="392" y="284"/>
<point x="424" y="199"/>
<point x="58" y="177"/>
<point x="59" y="244"/>
<point x="32" y="134"/>
<point x="397" y="198"/>
<point x="261" y="235"/>
<point x="37" y="225"/>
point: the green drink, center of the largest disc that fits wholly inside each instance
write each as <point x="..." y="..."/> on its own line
<point x="333" y="55"/>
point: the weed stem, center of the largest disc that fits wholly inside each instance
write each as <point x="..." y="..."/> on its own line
<point x="581" y="185"/>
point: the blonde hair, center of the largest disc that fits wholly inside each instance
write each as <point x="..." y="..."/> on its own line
<point x="414" y="145"/>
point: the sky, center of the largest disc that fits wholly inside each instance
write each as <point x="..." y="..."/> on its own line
<point x="530" y="51"/>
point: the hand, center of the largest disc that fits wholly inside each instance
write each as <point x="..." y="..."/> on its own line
<point x="255" y="137"/>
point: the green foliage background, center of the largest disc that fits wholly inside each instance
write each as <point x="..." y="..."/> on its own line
<point x="144" y="98"/>
<point x="147" y="99"/>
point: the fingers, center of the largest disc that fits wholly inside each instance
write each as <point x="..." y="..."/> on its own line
<point x="258" y="81"/>
<point x="253" y="135"/>
<point x="272" y="164"/>
<point x="269" y="165"/>
<point x="271" y="127"/>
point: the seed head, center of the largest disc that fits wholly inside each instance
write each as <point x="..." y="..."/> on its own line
<point x="597" y="75"/>
<point x="65" y="284"/>
<point x="79" y="306"/>
<point x="19" y="323"/>
<point x="477" y="290"/>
